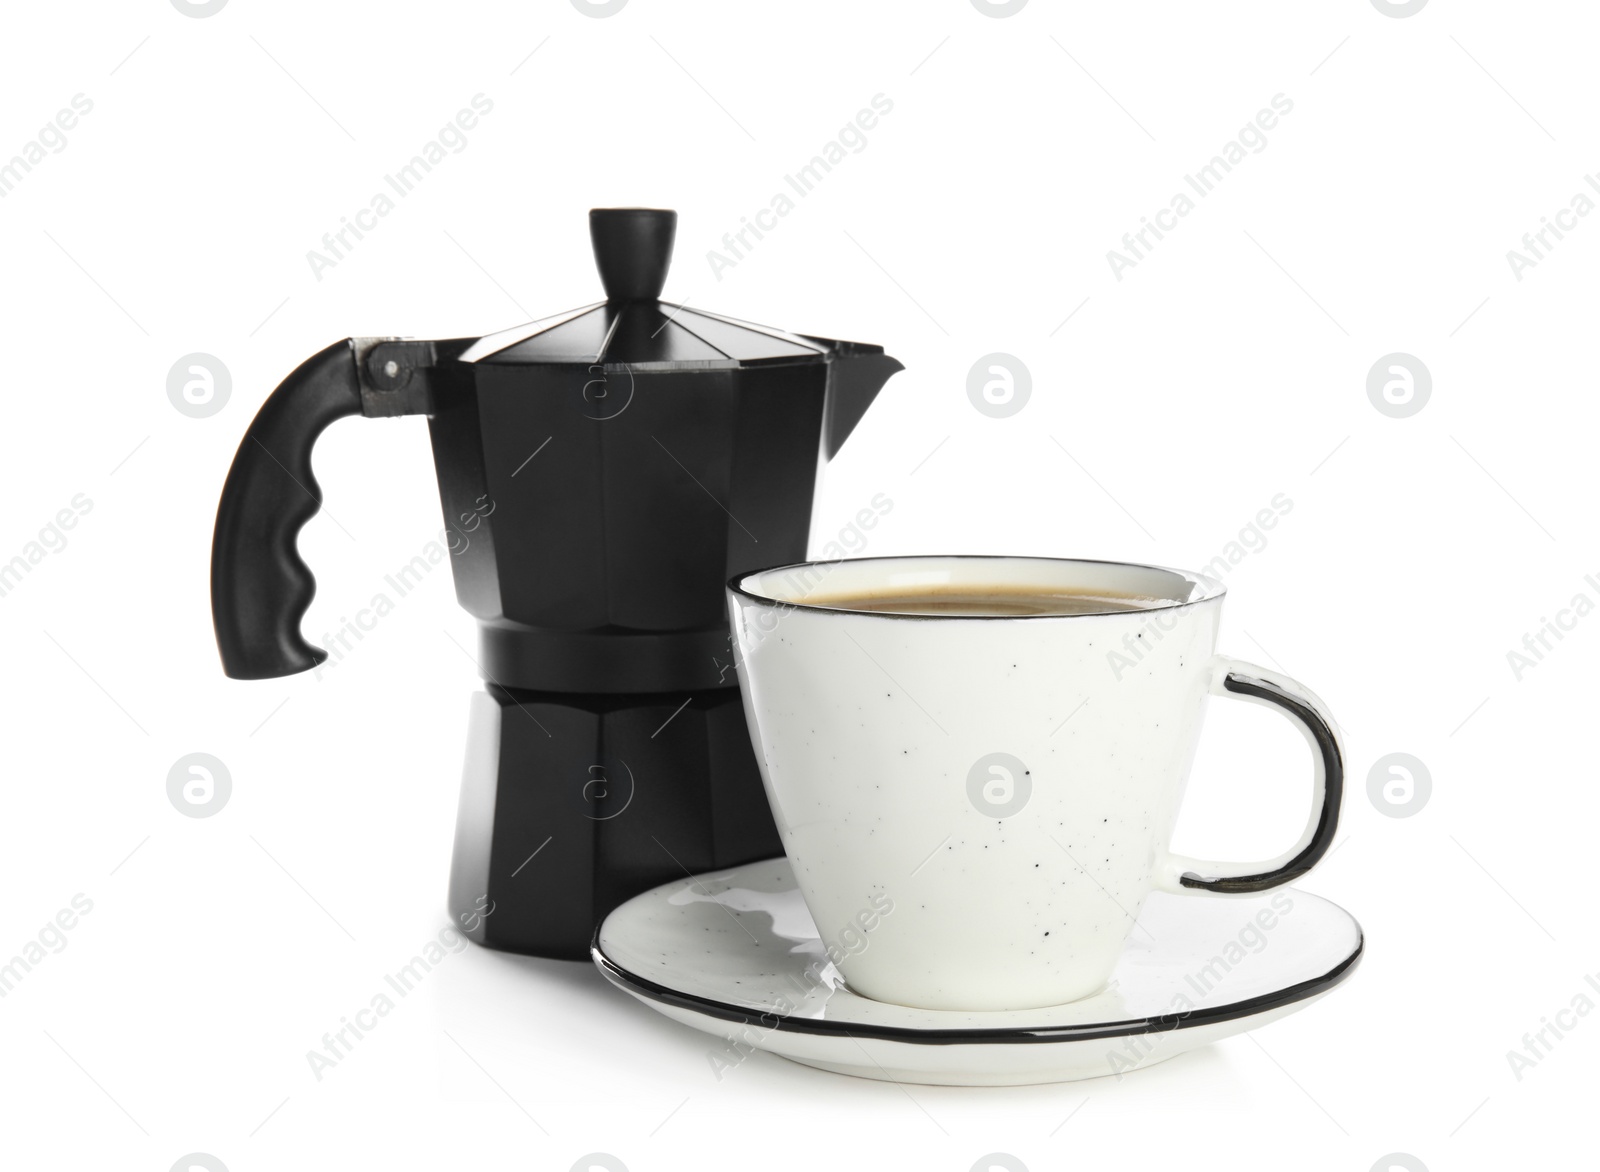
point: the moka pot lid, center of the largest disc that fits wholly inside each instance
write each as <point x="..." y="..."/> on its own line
<point x="633" y="328"/>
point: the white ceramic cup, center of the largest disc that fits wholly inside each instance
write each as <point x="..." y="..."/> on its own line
<point x="976" y="806"/>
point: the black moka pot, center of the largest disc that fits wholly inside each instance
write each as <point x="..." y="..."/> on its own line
<point x="607" y="469"/>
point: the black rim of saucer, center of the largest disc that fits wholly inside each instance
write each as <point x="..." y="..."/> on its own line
<point x="1162" y="1023"/>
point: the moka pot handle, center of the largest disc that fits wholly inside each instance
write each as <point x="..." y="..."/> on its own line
<point x="260" y="586"/>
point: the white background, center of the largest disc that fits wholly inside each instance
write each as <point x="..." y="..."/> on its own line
<point x="1227" y="367"/>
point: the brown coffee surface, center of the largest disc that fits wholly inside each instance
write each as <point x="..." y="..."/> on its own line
<point x="993" y="601"/>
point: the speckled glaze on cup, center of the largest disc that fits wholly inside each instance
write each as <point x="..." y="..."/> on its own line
<point x="976" y="806"/>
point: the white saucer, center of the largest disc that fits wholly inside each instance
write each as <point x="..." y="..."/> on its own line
<point x="735" y="954"/>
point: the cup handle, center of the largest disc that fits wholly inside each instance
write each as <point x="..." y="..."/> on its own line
<point x="1182" y="875"/>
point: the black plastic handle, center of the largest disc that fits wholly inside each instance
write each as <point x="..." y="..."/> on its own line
<point x="260" y="587"/>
